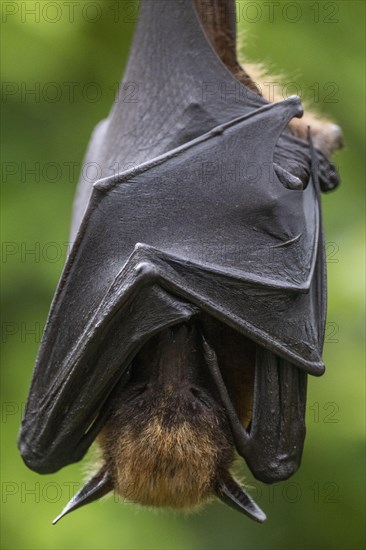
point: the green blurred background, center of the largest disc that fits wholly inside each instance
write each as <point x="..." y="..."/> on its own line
<point x="72" y="55"/>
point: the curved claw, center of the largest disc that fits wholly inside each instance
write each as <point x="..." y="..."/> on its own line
<point x="234" y="496"/>
<point x="95" y="488"/>
<point x="287" y="179"/>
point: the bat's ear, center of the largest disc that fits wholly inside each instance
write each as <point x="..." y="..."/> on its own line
<point x="98" y="486"/>
<point x="233" y="495"/>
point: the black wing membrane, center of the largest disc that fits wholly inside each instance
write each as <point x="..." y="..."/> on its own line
<point x="174" y="89"/>
<point x="143" y="244"/>
<point x="206" y="221"/>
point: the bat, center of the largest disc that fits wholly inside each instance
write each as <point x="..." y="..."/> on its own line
<point x="192" y="305"/>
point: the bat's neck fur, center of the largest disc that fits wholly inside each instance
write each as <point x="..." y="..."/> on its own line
<point x="168" y="441"/>
<point x="218" y="19"/>
<point x="219" y="22"/>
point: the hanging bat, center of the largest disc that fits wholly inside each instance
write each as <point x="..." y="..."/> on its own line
<point x="192" y="305"/>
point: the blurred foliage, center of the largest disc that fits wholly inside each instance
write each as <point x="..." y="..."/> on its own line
<point x="322" y="506"/>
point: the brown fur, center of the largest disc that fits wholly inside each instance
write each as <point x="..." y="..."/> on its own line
<point x="327" y="136"/>
<point x="169" y="445"/>
<point x="165" y="466"/>
<point x="168" y="441"/>
<point x="218" y="25"/>
<point x="236" y="358"/>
